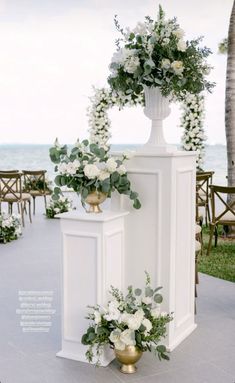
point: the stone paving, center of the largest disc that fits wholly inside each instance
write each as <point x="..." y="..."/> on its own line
<point x="33" y="263"/>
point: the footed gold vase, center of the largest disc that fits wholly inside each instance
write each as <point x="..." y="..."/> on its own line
<point x="94" y="200"/>
<point x="128" y="358"/>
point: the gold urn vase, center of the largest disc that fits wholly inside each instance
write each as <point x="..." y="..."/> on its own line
<point x="94" y="200"/>
<point x="128" y="358"/>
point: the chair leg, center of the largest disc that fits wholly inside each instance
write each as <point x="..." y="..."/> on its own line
<point x="30" y="216"/>
<point x="45" y="201"/>
<point x="22" y="212"/>
<point x="216" y="235"/>
<point x="212" y="228"/>
<point x="34" y="205"/>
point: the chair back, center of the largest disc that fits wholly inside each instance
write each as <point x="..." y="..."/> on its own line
<point x="202" y="188"/>
<point x="10" y="183"/>
<point x="208" y="173"/>
<point x="34" y="180"/>
<point x="226" y="195"/>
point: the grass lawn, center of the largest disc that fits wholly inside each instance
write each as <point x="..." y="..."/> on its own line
<point x="221" y="261"/>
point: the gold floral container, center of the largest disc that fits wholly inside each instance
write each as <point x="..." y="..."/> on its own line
<point x="94" y="200"/>
<point x="128" y="358"/>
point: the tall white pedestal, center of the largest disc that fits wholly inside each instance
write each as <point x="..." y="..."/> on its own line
<point x="93" y="259"/>
<point x="160" y="237"/>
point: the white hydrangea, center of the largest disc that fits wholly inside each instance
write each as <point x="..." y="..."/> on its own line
<point x="91" y="171"/>
<point x="111" y="165"/>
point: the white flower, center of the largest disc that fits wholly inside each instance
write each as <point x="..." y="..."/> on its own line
<point x="166" y="64"/>
<point x="113" y="311"/>
<point x="140" y="29"/>
<point x="177" y="66"/>
<point x="97" y="316"/>
<point x="111" y="165"/>
<point x="71" y="168"/>
<point x="121" y="170"/>
<point x="155" y="312"/>
<point x="115" y="339"/>
<point x="147" y="300"/>
<point x="181" y="46"/>
<point x="179" y="33"/>
<point x="62" y="168"/>
<point x="103" y="175"/>
<point x="128" y="154"/>
<point x="131" y="64"/>
<point x="148" y="325"/>
<point x="91" y="171"/>
<point x="128" y="337"/>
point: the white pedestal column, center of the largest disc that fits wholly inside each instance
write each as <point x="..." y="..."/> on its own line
<point x="160" y="237"/>
<point x="93" y="259"/>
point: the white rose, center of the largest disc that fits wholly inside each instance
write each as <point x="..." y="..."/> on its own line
<point x="115" y="339"/>
<point x="177" y="67"/>
<point x="166" y="64"/>
<point x="91" y="171"/>
<point x="131" y="64"/>
<point x="147" y="324"/>
<point x="62" y="168"/>
<point x="111" y="165"/>
<point x="128" y="337"/>
<point x="103" y="175"/>
<point x="147" y="300"/>
<point x="121" y="170"/>
<point x="133" y="322"/>
<point x="181" y="46"/>
<point x="179" y="33"/>
<point x="76" y="163"/>
<point x="71" y="169"/>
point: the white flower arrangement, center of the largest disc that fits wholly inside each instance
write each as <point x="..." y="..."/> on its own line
<point x="155" y="54"/>
<point x="56" y="206"/>
<point x="133" y="320"/>
<point x="99" y="123"/>
<point x="89" y="168"/>
<point x="192" y="119"/>
<point x="10" y="227"/>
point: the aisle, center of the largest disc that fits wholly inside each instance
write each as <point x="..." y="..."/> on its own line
<point x="33" y="263"/>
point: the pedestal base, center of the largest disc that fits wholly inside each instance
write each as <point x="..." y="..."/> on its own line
<point x="93" y="260"/>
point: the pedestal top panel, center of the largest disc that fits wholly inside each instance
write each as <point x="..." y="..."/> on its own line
<point x="105" y="216"/>
<point x="153" y="153"/>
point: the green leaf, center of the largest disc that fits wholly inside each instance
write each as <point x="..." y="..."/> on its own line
<point x="148" y="292"/>
<point x="161" y="348"/>
<point x="137" y="204"/>
<point x="158" y="298"/>
<point x="138" y="292"/>
<point x="58" y="180"/>
<point x="84" y="340"/>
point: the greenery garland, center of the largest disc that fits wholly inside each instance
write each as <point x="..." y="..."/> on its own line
<point x="192" y="119"/>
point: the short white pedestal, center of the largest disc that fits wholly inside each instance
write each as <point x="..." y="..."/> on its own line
<point x="160" y="237"/>
<point x="93" y="259"/>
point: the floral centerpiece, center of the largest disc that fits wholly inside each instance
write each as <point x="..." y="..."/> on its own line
<point x="134" y="320"/>
<point x="10" y="227"/>
<point x="88" y="168"/>
<point x="155" y="54"/>
<point x="58" y="205"/>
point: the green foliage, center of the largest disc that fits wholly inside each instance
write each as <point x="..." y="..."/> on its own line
<point x="221" y="261"/>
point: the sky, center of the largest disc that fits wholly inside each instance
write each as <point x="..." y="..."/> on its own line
<point x="53" y="51"/>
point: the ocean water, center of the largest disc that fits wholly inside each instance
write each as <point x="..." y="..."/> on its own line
<point x="36" y="157"/>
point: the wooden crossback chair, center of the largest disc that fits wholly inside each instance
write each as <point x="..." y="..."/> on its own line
<point x="203" y="180"/>
<point x="35" y="184"/>
<point x="11" y="192"/>
<point x="226" y="216"/>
